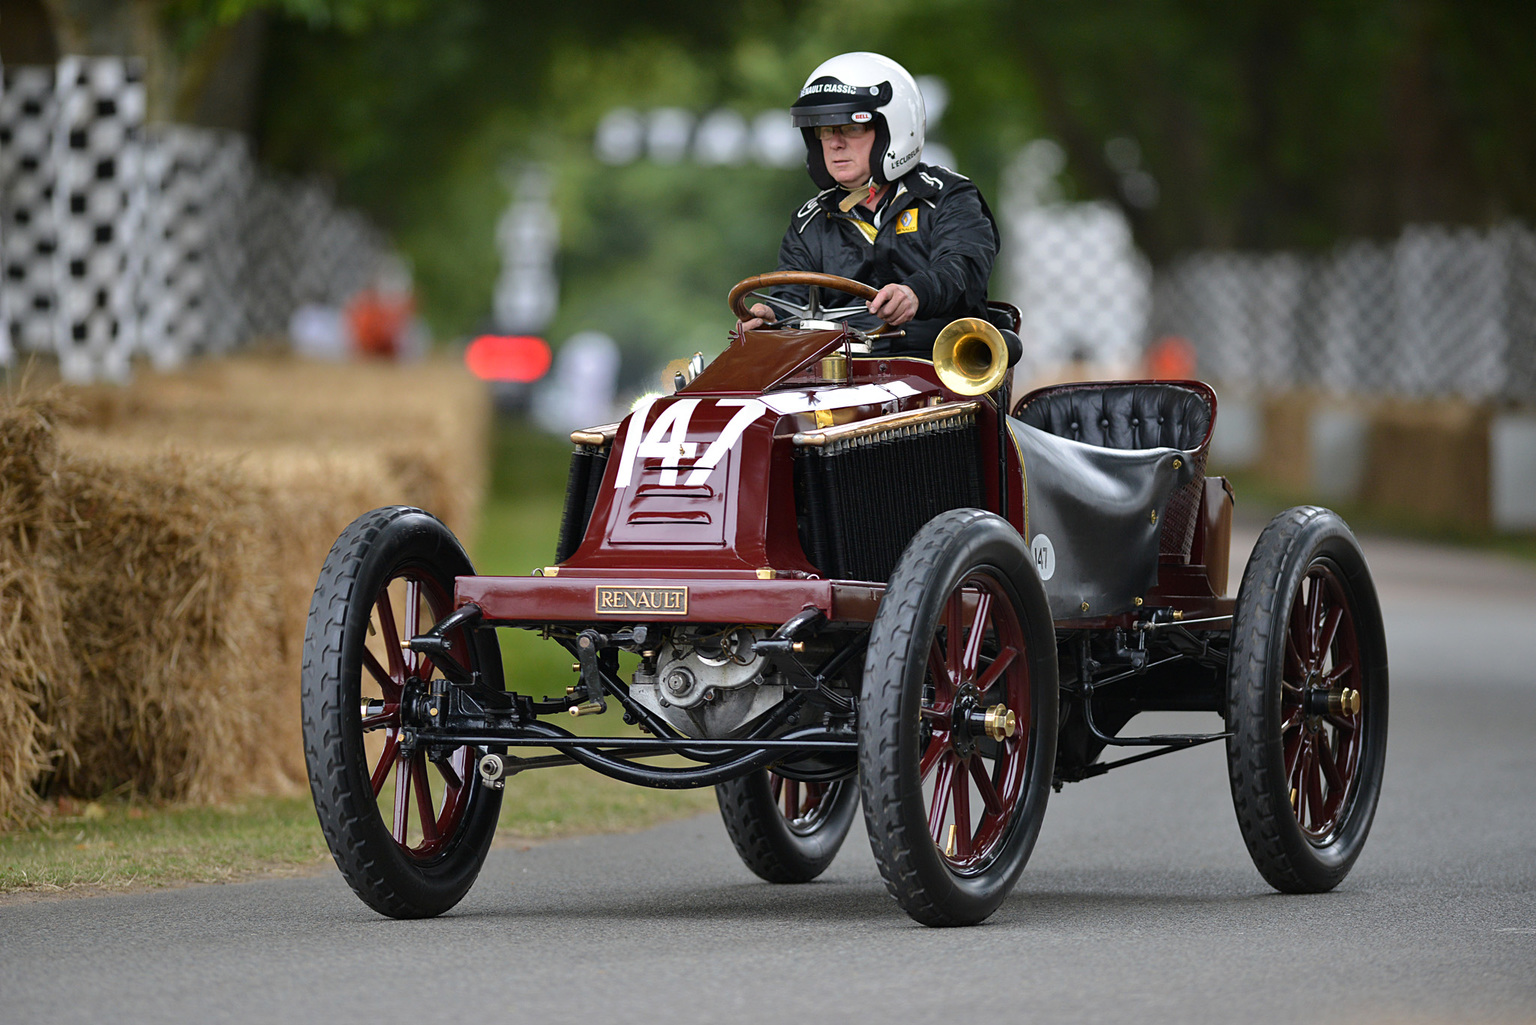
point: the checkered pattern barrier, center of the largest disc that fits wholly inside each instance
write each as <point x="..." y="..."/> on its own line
<point x="118" y="239"/>
<point x="28" y="237"/>
<point x="97" y="213"/>
<point x="1437" y="312"/>
<point x="1074" y="272"/>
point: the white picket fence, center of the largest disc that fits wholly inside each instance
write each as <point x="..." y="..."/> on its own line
<point x="120" y="239"/>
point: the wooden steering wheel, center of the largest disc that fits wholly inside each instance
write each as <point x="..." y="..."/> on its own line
<point x="812" y="308"/>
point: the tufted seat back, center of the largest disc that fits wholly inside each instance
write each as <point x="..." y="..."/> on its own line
<point x="1135" y="415"/>
<point x="1122" y="414"/>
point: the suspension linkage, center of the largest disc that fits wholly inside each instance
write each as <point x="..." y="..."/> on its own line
<point x="1099" y="769"/>
<point x="437" y="646"/>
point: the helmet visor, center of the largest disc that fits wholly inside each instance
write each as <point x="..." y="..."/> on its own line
<point x="827" y="101"/>
<point x="838" y="114"/>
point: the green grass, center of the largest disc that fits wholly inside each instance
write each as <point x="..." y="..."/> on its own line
<point x="114" y="845"/>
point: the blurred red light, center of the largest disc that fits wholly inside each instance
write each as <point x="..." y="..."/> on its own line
<point x="520" y="358"/>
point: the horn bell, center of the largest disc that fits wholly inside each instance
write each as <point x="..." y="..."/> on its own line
<point x="970" y="356"/>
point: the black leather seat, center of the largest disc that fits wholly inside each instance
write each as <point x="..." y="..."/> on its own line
<point x="1131" y="416"/>
<point x="1121" y="414"/>
<point x="1090" y="504"/>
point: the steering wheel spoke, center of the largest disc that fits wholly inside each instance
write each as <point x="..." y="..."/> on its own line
<point x="839" y="313"/>
<point x="788" y="304"/>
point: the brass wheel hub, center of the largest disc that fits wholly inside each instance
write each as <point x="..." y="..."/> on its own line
<point x="972" y="721"/>
<point x="1000" y="722"/>
<point x="1323" y="701"/>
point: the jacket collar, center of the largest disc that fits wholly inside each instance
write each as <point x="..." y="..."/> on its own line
<point x="919" y="183"/>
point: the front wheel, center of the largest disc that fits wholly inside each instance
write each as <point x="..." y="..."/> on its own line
<point x="1307" y="702"/>
<point x="957" y="720"/>
<point x="408" y="824"/>
<point x="787" y="831"/>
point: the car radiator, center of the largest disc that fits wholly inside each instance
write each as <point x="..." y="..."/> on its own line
<point x="581" y="486"/>
<point x="861" y="497"/>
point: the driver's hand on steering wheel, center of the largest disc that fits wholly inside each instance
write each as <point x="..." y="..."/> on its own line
<point x="762" y="314"/>
<point x="894" y="304"/>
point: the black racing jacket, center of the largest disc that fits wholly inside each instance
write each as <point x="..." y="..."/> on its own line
<point x="936" y="236"/>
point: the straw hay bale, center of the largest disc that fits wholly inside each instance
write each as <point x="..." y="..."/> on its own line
<point x="160" y="549"/>
<point x="306" y="500"/>
<point x="428" y="420"/>
<point x="35" y="671"/>
<point x="167" y="613"/>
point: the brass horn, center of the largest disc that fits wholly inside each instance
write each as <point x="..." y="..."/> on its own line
<point x="970" y="356"/>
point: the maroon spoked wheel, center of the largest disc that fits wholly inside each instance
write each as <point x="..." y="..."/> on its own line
<point x="957" y="721"/>
<point x="973" y="776"/>
<point x="1322" y="667"/>
<point x="1307" y="701"/>
<point x="422" y="796"/>
<point x="804" y="805"/>
<point x="408" y="822"/>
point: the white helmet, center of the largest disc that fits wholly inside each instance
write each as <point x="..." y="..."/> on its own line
<point x="863" y="88"/>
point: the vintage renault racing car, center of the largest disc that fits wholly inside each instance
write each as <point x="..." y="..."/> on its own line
<point x="812" y="576"/>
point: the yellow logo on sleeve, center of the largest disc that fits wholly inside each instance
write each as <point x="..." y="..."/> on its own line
<point x="907" y="221"/>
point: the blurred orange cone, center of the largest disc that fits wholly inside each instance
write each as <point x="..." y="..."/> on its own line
<point x="1171" y="358"/>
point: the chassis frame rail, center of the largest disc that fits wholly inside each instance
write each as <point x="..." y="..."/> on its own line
<point x="756" y="754"/>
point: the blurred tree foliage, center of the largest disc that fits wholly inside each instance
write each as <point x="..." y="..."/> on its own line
<point x="423" y="124"/>
<point x="1278" y="123"/>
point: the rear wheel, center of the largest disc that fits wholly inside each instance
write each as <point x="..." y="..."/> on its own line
<point x="1307" y="702"/>
<point x="957" y="730"/>
<point x="787" y="831"/>
<point x="408" y="824"/>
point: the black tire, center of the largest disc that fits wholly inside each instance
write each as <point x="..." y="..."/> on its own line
<point x="352" y="653"/>
<point x="910" y="719"/>
<point x="787" y="831"/>
<point x="1306" y="777"/>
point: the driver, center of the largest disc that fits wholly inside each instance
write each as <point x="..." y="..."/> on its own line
<point x="919" y="233"/>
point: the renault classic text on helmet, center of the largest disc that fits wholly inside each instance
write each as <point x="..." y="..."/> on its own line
<point x="863" y="88"/>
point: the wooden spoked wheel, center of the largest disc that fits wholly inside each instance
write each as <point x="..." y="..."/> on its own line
<point x="957" y="722"/>
<point x="408" y="822"/>
<point x="973" y="780"/>
<point x="1320" y="706"/>
<point x="1307" y="701"/>
<point x="422" y="794"/>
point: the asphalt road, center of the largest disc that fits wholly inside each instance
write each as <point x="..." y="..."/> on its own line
<point x="1139" y="905"/>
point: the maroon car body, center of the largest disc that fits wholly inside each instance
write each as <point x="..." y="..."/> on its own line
<point x="846" y="579"/>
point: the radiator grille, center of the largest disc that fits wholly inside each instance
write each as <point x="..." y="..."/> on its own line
<point x="581" y="486"/>
<point x="860" y="500"/>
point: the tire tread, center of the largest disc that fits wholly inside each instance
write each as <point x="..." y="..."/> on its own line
<point x="345" y="821"/>
<point x="1268" y="825"/>
<point x="762" y="838"/>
